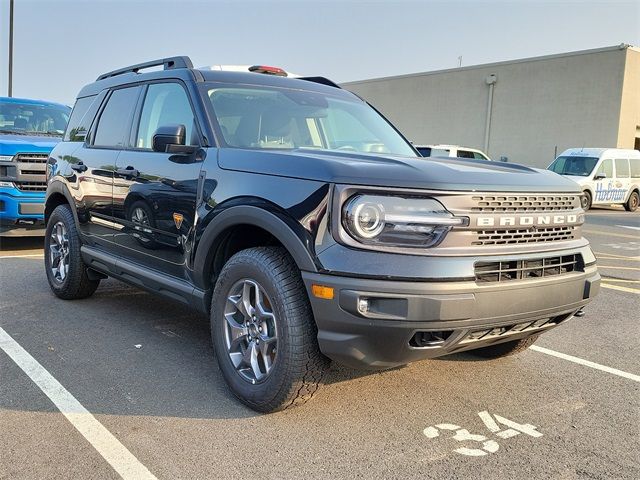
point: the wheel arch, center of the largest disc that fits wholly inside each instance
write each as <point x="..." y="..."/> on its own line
<point x="58" y="194"/>
<point x="262" y="224"/>
<point x="634" y="188"/>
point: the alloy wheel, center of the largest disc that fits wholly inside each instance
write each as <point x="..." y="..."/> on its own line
<point x="59" y="252"/>
<point x="250" y="331"/>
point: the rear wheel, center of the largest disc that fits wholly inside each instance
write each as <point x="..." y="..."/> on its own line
<point x="633" y="202"/>
<point x="586" y="200"/>
<point x="505" y="349"/>
<point x="263" y="331"/>
<point x="66" y="271"/>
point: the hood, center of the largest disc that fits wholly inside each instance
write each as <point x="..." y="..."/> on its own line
<point x="579" y="179"/>
<point x="12" y="144"/>
<point x="396" y="171"/>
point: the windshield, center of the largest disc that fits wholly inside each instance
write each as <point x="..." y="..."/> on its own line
<point x="33" y="119"/>
<point x="578" y="166"/>
<point x="274" y="118"/>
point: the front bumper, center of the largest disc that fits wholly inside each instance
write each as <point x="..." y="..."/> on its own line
<point x="21" y="214"/>
<point x="407" y="321"/>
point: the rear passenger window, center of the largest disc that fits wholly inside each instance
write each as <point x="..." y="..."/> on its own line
<point x="114" y="120"/>
<point x="165" y="104"/>
<point x="622" y="168"/>
<point x="635" y="167"/>
<point x="465" y="154"/>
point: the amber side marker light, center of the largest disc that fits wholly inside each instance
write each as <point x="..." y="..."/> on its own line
<point x="321" y="291"/>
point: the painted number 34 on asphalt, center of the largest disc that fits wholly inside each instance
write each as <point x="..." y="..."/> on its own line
<point x="484" y="444"/>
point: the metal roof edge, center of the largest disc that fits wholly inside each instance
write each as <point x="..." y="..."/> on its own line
<point x="622" y="46"/>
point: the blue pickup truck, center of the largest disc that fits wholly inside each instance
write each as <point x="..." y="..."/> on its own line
<point x="29" y="129"/>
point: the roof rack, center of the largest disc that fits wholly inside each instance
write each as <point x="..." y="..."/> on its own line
<point x="169" y="63"/>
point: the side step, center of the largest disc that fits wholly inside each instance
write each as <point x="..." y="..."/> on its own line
<point x="150" y="280"/>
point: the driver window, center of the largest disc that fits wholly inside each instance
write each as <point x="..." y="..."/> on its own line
<point x="606" y="167"/>
<point x="165" y="104"/>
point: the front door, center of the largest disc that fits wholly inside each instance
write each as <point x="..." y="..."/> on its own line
<point x="602" y="184"/>
<point x="154" y="193"/>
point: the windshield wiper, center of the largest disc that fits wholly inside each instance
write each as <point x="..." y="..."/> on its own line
<point x="50" y="133"/>
<point x="13" y="132"/>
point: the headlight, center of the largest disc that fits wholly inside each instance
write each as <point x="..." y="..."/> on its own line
<point x="7" y="184"/>
<point x="5" y="158"/>
<point x="397" y="221"/>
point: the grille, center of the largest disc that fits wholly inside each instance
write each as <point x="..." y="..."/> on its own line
<point x="32" y="186"/>
<point x="530" y="235"/>
<point x="525" y="203"/>
<point x="31" y="157"/>
<point x="502" y="271"/>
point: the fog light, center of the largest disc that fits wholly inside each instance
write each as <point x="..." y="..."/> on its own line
<point x="363" y="305"/>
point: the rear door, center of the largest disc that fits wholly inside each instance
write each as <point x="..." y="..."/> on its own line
<point x="155" y="193"/>
<point x="623" y="180"/>
<point x="94" y="163"/>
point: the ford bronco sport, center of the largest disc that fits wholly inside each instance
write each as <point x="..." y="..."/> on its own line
<point x="305" y="226"/>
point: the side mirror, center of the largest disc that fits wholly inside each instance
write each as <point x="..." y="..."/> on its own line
<point x="600" y="176"/>
<point x="172" y="139"/>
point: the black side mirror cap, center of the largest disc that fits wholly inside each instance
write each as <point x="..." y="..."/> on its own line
<point x="172" y="139"/>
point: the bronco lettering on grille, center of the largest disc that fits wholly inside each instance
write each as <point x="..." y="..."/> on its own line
<point x="503" y="221"/>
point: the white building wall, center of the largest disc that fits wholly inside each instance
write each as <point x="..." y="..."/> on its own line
<point x="540" y="106"/>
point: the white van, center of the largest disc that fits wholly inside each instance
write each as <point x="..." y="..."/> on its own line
<point x="607" y="175"/>
<point x="450" y="151"/>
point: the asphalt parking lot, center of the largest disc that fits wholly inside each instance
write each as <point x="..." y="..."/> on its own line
<point x="150" y="394"/>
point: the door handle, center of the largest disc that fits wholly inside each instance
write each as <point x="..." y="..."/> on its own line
<point x="128" y="172"/>
<point x="79" y="167"/>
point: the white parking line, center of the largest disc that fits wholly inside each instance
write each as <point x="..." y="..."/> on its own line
<point x="628" y="226"/>
<point x="41" y="255"/>
<point x="586" y="363"/>
<point x="116" y="454"/>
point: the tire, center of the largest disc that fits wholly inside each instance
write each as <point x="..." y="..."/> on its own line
<point x="288" y="369"/>
<point x="632" y="202"/>
<point x="505" y="349"/>
<point x="587" y="200"/>
<point x="140" y="213"/>
<point x="66" y="271"/>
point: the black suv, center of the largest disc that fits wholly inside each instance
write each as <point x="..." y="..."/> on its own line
<point x="306" y="226"/>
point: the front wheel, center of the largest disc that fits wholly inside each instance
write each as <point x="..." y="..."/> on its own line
<point x="505" y="349"/>
<point x="263" y="331"/>
<point x="586" y="200"/>
<point x="632" y="203"/>
<point x="66" y="271"/>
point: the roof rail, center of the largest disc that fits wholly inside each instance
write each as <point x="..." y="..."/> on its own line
<point x="169" y="63"/>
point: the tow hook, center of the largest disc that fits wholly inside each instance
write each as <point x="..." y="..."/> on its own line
<point x="579" y="313"/>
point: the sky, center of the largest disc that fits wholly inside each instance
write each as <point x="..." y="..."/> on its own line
<point x="59" y="46"/>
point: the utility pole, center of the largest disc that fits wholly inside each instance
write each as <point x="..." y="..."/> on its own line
<point x="459" y="58"/>
<point x="10" y="48"/>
